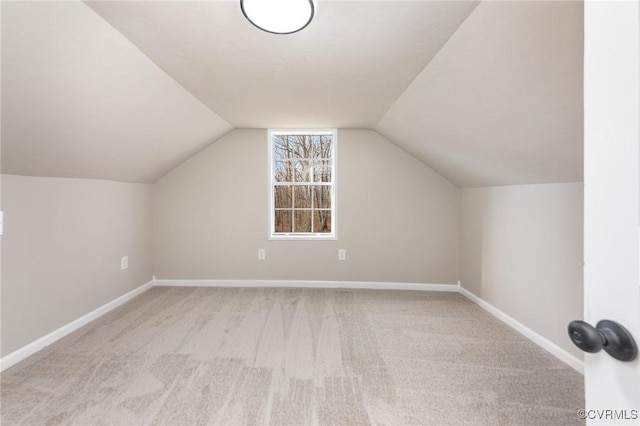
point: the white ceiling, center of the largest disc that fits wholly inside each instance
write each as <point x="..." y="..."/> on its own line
<point x="344" y="70"/>
<point x="487" y="95"/>
<point x="79" y="100"/>
<point x="502" y="102"/>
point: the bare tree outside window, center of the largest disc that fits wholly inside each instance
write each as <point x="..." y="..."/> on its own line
<point x="303" y="182"/>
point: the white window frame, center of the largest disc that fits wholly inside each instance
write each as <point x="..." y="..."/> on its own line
<point x="333" y="235"/>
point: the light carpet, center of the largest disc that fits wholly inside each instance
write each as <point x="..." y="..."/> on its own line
<point x="231" y="356"/>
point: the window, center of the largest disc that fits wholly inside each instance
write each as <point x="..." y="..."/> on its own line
<point x="302" y="189"/>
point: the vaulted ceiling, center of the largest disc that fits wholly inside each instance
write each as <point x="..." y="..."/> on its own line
<point x="485" y="93"/>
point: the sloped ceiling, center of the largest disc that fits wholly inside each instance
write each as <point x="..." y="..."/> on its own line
<point x="343" y="70"/>
<point x="487" y="95"/>
<point x="501" y="103"/>
<point x="79" y="100"/>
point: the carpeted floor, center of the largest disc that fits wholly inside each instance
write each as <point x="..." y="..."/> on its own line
<point x="189" y="356"/>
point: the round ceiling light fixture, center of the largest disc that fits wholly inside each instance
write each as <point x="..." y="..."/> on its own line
<point x="279" y="16"/>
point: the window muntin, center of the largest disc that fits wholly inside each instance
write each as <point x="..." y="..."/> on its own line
<point x="302" y="184"/>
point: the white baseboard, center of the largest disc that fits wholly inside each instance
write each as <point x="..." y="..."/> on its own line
<point x="309" y="284"/>
<point x="28" y="350"/>
<point x="541" y="341"/>
<point x="33" y="347"/>
<point x="536" y="338"/>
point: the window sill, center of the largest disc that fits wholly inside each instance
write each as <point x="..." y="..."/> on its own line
<point x="302" y="238"/>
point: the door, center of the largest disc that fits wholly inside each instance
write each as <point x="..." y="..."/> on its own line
<point x="612" y="201"/>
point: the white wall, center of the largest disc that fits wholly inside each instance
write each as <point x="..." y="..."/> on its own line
<point x="62" y="246"/>
<point x="397" y="219"/>
<point x="522" y="253"/>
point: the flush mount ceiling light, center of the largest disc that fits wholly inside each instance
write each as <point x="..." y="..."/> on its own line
<point x="278" y="16"/>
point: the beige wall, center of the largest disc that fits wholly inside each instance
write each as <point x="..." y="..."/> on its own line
<point x="397" y="219"/>
<point x="520" y="246"/>
<point x="522" y="253"/>
<point x="62" y="246"/>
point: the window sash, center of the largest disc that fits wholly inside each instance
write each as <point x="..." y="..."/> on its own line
<point x="321" y="172"/>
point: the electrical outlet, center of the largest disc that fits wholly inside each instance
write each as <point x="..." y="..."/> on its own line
<point x="124" y="263"/>
<point x="342" y="254"/>
<point x="261" y="254"/>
